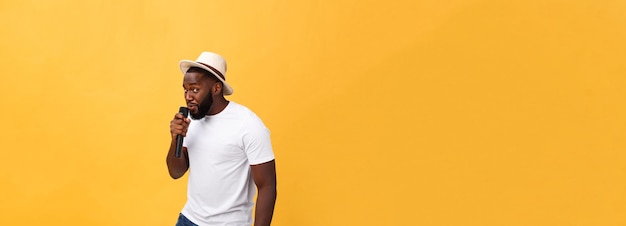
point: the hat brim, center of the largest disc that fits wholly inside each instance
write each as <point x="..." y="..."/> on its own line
<point x="186" y="64"/>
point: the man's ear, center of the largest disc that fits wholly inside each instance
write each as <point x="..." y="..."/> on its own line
<point x="217" y="88"/>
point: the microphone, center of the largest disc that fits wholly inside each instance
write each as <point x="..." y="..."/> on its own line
<point x="179" y="138"/>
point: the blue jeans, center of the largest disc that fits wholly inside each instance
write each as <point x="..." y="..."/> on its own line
<point x="183" y="221"/>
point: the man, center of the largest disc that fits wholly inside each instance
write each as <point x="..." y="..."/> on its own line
<point x="226" y="149"/>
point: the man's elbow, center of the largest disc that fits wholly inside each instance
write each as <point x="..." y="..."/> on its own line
<point x="176" y="175"/>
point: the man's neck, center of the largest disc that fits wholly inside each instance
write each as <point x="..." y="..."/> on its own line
<point x="218" y="106"/>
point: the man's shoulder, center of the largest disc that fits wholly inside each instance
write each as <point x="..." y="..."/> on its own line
<point x="245" y="114"/>
<point x="241" y="110"/>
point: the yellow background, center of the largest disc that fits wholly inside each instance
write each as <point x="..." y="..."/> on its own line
<point x="425" y="112"/>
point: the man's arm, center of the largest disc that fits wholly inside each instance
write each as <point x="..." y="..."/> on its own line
<point x="264" y="176"/>
<point x="177" y="166"/>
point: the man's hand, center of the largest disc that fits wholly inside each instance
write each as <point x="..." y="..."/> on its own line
<point x="179" y="125"/>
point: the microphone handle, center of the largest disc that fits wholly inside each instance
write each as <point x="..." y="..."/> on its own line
<point x="179" y="145"/>
<point x="179" y="138"/>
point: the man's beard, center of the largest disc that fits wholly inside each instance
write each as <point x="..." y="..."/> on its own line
<point x="203" y="108"/>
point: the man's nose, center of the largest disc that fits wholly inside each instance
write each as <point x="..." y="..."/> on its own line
<point x="188" y="96"/>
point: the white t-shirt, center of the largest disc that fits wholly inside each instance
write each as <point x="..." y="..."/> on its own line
<point x="221" y="149"/>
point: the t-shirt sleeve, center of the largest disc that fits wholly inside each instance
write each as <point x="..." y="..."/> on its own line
<point x="257" y="143"/>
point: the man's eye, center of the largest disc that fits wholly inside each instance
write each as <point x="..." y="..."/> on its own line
<point x="196" y="90"/>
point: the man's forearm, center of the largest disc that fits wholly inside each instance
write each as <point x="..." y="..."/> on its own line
<point x="265" y="206"/>
<point x="176" y="166"/>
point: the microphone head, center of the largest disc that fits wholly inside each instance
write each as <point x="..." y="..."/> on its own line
<point x="184" y="111"/>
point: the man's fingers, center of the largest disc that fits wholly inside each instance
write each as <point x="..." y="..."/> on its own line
<point x="179" y="125"/>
